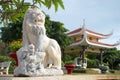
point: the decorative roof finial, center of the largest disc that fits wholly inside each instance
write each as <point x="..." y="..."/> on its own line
<point x="83" y="23"/>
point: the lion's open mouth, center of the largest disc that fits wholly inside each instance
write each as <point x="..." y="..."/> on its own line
<point x="39" y="21"/>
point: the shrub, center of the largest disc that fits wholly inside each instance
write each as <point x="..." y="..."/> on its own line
<point x="92" y="63"/>
<point x="79" y="70"/>
<point x="6" y="58"/>
<point x="69" y="62"/>
<point x="112" y="71"/>
<point x="15" y="45"/>
<point x="67" y="57"/>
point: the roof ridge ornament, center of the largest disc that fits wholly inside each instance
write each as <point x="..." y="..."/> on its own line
<point x="84" y="30"/>
<point x="83" y="24"/>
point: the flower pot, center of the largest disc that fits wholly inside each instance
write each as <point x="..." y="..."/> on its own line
<point x="70" y="68"/>
<point x="14" y="56"/>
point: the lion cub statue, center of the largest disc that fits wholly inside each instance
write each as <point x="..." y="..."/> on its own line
<point x="34" y="32"/>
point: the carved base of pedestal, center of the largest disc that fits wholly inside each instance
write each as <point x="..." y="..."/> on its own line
<point x="46" y="72"/>
<point x="31" y="63"/>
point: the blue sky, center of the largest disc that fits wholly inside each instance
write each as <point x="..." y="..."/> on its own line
<point x="101" y="16"/>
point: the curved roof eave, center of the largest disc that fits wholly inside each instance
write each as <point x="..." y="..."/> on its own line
<point x="98" y="34"/>
<point x="104" y="45"/>
<point x="85" y="41"/>
<point x="80" y="30"/>
<point x="101" y="45"/>
<point x="76" y="33"/>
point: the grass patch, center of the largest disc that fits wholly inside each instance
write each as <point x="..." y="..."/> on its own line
<point x="79" y="70"/>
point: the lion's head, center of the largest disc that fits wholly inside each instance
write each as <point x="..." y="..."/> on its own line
<point x="35" y="16"/>
<point x="33" y="26"/>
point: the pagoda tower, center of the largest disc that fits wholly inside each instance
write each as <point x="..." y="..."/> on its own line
<point x="85" y="40"/>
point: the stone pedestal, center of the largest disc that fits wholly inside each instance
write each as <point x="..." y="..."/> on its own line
<point x="47" y="72"/>
<point x="31" y="64"/>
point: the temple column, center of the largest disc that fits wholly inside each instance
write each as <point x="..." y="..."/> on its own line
<point x="83" y="53"/>
<point x="101" y="56"/>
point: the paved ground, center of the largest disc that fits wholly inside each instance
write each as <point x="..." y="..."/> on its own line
<point x="65" y="77"/>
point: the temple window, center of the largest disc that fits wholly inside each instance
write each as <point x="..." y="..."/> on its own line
<point x="90" y="38"/>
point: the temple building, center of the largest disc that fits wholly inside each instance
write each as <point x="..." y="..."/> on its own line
<point x="85" y="40"/>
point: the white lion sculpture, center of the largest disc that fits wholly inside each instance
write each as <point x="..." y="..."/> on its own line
<point x="34" y="32"/>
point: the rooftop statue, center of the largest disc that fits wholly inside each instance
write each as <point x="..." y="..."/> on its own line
<point x="40" y="55"/>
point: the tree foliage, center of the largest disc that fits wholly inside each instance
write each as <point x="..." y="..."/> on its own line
<point x="12" y="32"/>
<point x="55" y="30"/>
<point x="11" y="10"/>
<point x="112" y="57"/>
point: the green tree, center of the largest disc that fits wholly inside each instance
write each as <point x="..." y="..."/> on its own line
<point x="111" y="56"/>
<point x="11" y="10"/>
<point x="12" y="32"/>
